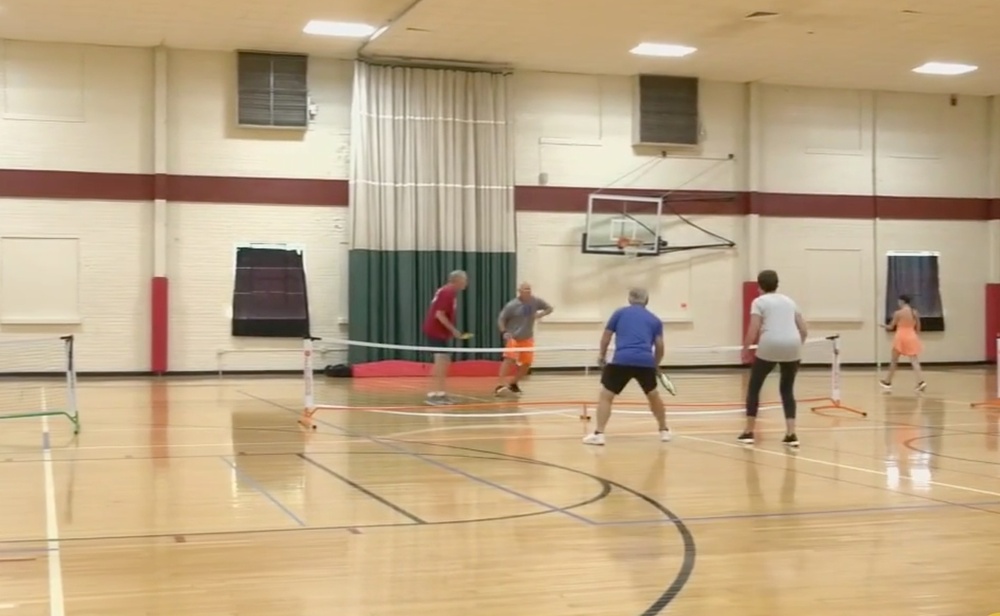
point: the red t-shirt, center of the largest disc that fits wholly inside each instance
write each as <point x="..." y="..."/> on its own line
<point x="446" y="301"/>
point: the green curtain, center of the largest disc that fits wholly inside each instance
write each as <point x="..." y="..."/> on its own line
<point x="390" y="293"/>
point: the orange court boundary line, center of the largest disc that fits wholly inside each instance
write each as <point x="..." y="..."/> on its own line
<point x="585" y="406"/>
<point x="833" y="402"/>
<point x="835" y="405"/>
<point x="986" y="404"/>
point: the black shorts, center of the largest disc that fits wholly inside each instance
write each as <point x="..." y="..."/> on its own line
<point x="615" y="377"/>
<point x="440" y="345"/>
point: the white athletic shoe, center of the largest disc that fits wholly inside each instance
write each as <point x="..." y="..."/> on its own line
<point x="665" y="435"/>
<point x="438" y="400"/>
<point x="594" y="439"/>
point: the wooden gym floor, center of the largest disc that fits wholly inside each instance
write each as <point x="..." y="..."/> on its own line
<point x="204" y="497"/>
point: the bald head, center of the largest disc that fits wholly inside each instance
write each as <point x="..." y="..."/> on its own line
<point x="524" y="291"/>
<point x="638" y="296"/>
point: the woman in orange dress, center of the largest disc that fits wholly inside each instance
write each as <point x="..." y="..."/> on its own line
<point x="906" y="341"/>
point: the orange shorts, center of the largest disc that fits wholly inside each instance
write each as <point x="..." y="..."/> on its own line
<point x="523" y="358"/>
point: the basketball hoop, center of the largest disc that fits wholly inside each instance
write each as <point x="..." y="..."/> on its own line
<point x="629" y="247"/>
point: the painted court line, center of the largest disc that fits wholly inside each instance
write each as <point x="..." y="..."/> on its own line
<point x="588" y="521"/>
<point x="360" y="488"/>
<point x="836" y="465"/>
<point x="262" y="491"/>
<point x="485" y="482"/>
<point x="358" y="440"/>
<point x="476" y="478"/>
<point x="433" y="462"/>
<point x="57" y="600"/>
<point x="802" y="514"/>
<point x="23" y="551"/>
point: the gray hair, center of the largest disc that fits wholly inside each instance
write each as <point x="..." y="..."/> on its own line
<point x="638" y="295"/>
<point x="457" y="274"/>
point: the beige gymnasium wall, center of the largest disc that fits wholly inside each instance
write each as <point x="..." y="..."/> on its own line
<point x="792" y="141"/>
<point x="577" y="130"/>
<point x="203" y="140"/>
<point x="72" y="108"/>
<point x="573" y="128"/>
<point x="892" y="145"/>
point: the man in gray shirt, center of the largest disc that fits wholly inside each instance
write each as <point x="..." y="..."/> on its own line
<point x="517" y="324"/>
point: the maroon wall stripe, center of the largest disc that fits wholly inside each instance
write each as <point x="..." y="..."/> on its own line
<point x="933" y="208"/>
<point x="574" y="199"/>
<point x="197" y="189"/>
<point x="820" y="206"/>
<point x="26" y="184"/>
<point x="160" y="186"/>
<point x="278" y="191"/>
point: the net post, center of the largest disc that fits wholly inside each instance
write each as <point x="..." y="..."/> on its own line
<point x="308" y="376"/>
<point x="72" y="412"/>
<point x="835" y="375"/>
<point x="995" y="402"/>
<point x="64" y="357"/>
<point x="835" y="393"/>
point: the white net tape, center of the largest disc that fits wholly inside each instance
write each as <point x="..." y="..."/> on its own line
<point x="563" y="380"/>
<point x="582" y="357"/>
<point x="37" y="378"/>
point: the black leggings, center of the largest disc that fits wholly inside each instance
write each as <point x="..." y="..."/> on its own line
<point x="758" y="373"/>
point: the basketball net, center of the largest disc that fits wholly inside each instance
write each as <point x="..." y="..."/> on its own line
<point x="630" y="247"/>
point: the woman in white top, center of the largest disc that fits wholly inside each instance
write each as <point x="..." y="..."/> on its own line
<point x="779" y="330"/>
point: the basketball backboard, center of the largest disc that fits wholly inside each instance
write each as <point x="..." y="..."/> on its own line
<point x="617" y="219"/>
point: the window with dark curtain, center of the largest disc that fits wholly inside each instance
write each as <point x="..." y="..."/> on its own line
<point x="269" y="294"/>
<point x="917" y="275"/>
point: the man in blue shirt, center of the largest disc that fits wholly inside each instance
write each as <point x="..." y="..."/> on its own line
<point x="638" y="335"/>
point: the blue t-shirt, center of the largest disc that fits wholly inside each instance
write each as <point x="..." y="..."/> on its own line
<point x="635" y="329"/>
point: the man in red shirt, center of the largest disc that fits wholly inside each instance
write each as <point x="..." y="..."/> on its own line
<point x="439" y="328"/>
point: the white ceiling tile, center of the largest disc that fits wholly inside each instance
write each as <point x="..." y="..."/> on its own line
<point x="836" y="43"/>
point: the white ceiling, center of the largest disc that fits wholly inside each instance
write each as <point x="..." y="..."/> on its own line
<point x="869" y="44"/>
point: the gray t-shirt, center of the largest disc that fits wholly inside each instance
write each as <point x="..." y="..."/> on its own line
<point x="779" y="335"/>
<point x="518" y="317"/>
